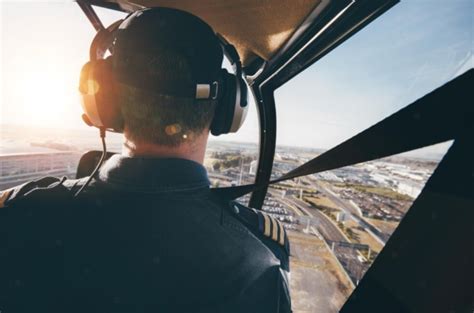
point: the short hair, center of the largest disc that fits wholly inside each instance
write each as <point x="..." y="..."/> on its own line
<point x="167" y="47"/>
<point x="164" y="119"/>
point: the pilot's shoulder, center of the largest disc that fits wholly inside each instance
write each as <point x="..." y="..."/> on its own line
<point x="45" y="185"/>
<point x="263" y="225"/>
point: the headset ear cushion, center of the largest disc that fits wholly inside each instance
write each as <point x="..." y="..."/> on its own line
<point x="99" y="92"/>
<point x="85" y="72"/>
<point x="88" y="91"/>
<point x="225" y="108"/>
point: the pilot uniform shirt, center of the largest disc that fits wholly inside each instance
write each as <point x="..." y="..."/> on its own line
<point x="147" y="234"/>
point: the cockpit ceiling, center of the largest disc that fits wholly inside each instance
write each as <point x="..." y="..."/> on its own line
<point x="255" y="27"/>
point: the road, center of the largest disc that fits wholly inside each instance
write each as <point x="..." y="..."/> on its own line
<point x="352" y="212"/>
<point x="327" y="229"/>
<point x="346" y="255"/>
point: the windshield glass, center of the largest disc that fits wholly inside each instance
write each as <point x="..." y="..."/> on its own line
<point x="41" y="130"/>
<point x="340" y="220"/>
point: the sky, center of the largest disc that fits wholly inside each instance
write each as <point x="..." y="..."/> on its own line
<point x="407" y="52"/>
<point x="412" y="49"/>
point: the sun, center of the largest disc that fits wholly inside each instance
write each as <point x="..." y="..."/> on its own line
<point x="45" y="98"/>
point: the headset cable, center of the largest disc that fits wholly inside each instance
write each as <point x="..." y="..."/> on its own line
<point x="101" y="161"/>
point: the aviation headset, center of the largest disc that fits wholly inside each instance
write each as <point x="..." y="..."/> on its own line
<point x="99" y="96"/>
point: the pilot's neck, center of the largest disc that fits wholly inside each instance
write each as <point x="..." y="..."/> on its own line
<point x="191" y="150"/>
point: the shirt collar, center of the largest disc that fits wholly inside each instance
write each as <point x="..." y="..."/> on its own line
<point x="144" y="174"/>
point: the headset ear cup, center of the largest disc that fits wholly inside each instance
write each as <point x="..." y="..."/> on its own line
<point x="88" y="90"/>
<point x="224" y="112"/>
<point x="240" y="107"/>
<point x="99" y="95"/>
<point x="108" y="104"/>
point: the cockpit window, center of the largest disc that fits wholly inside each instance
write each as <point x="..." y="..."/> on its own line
<point x="339" y="220"/>
<point x="43" y="47"/>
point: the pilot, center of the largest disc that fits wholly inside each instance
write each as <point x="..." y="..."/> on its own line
<point x="146" y="232"/>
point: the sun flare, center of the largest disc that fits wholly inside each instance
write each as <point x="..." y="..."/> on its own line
<point x="46" y="96"/>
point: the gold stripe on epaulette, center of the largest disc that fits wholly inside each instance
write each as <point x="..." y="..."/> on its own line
<point x="266" y="228"/>
<point x="275" y="229"/>
<point x="4" y="196"/>
<point x="282" y="234"/>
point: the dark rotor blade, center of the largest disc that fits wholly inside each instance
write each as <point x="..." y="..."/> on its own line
<point x="441" y="115"/>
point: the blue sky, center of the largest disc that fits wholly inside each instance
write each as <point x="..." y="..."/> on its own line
<point x="407" y="52"/>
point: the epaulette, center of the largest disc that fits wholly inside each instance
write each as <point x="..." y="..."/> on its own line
<point x="4" y="196"/>
<point x="263" y="223"/>
<point x="43" y="186"/>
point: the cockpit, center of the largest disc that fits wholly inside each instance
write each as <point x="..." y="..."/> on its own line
<point x="358" y="137"/>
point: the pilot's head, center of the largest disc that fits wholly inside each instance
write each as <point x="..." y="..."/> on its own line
<point x="160" y="56"/>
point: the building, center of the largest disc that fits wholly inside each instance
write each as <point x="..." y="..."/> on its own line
<point x="16" y="169"/>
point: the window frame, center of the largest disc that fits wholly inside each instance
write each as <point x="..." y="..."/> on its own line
<point x="327" y="30"/>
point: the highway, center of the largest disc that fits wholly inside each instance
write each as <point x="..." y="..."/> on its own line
<point x="352" y="212"/>
<point x="346" y="255"/>
<point x="327" y="229"/>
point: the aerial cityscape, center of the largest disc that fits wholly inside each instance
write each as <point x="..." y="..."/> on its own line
<point x="337" y="221"/>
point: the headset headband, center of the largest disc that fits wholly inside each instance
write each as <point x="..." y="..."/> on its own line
<point x="104" y="40"/>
